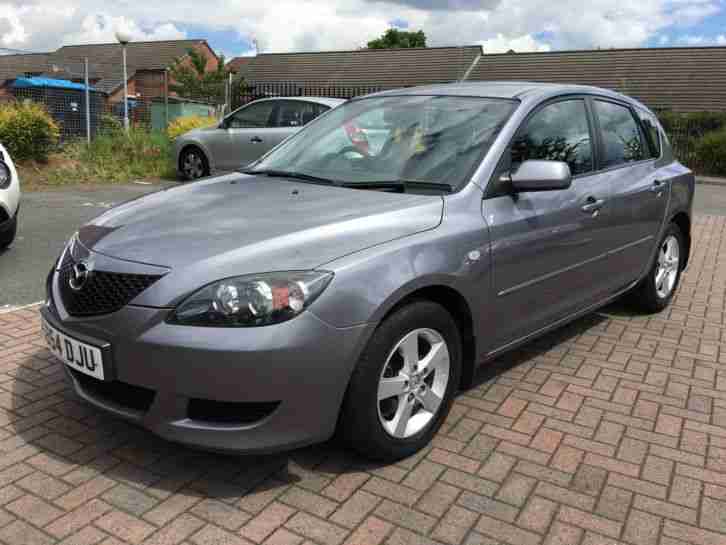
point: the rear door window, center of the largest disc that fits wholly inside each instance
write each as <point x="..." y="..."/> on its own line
<point x="297" y="113"/>
<point x="622" y="141"/>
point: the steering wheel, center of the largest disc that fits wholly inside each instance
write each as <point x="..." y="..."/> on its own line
<point x="347" y="149"/>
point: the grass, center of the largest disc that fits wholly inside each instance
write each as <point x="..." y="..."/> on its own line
<point x="114" y="157"/>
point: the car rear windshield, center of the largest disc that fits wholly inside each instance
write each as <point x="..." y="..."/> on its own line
<point x="427" y="139"/>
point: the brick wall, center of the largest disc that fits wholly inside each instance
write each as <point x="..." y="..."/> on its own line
<point x="150" y="83"/>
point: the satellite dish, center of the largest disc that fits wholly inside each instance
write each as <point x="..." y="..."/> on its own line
<point x="123" y="37"/>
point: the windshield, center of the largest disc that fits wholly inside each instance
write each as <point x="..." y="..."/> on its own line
<point x="427" y="139"/>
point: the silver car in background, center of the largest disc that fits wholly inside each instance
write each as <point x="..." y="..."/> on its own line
<point x="246" y="134"/>
<point x="358" y="274"/>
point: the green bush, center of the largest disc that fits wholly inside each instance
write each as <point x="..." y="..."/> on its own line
<point x="710" y="153"/>
<point x="27" y="130"/>
<point x="693" y="123"/>
<point x="110" y="125"/>
<point x="187" y="123"/>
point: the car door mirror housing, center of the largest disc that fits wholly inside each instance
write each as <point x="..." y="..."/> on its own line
<point x="536" y="175"/>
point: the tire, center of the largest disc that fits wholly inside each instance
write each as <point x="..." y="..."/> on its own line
<point x="654" y="294"/>
<point x="7" y="236"/>
<point x="193" y="164"/>
<point x="372" y="426"/>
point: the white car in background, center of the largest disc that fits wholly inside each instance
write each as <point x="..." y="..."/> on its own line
<point x="9" y="199"/>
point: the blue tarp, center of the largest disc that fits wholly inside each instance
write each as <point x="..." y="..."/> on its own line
<point x="48" y="82"/>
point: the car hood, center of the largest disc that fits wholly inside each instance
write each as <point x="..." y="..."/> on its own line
<point x="239" y="224"/>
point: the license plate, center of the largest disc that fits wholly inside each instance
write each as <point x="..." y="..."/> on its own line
<point x="82" y="357"/>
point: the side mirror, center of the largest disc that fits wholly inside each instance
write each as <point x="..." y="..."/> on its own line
<point x="534" y="175"/>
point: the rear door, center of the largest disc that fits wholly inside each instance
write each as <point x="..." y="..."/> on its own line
<point x="640" y="191"/>
<point x="549" y="248"/>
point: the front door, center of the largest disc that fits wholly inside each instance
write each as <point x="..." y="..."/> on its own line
<point x="246" y="134"/>
<point x="549" y="248"/>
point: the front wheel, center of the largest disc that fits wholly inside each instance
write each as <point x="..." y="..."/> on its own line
<point x="657" y="289"/>
<point x="404" y="384"/>
<point x="7" y="236"/>
<point x="193" y="164"/>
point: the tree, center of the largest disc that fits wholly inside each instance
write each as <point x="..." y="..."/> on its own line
<point x="395" y="39"/>
<point x="189" y="78"/>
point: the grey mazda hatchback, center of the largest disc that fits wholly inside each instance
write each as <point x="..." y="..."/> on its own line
<point x="356" y="275"/>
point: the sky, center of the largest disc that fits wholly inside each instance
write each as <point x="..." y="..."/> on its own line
<point x="243" y="27"/>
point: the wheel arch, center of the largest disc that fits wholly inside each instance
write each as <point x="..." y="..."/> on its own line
<point x="683" y="221"/>
<point x="458" y="307"/>
<point x="206" y="156"/>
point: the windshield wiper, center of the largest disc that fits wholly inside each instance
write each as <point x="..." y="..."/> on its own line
<point x="400" y="185"/>
<point x="291" y="174"/>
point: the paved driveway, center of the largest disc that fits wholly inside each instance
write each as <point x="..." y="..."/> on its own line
<point x="612" y="430"/>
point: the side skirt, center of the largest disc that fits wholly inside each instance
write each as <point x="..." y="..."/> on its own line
<point x="555" y="325"/>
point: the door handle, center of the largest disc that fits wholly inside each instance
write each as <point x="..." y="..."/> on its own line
<point x="256" y="140"/>
<point x="657" y="187"/>
<point x="593" y="205"/>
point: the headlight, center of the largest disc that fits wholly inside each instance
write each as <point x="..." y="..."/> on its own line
<point x="5" y="176"/>
<point x="250" y="301"/>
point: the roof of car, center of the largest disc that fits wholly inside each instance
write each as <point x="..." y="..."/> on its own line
<point x="332" y="102"/>
<point x="505" y="89"/>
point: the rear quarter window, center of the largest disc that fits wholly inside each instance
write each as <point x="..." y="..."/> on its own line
<point x="653" y="133"/>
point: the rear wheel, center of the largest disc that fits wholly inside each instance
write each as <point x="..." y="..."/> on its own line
<point x="193" y="163"/>
<point x="656" y="290"/>
<point x="404" y="384"/>
<point x="7" y="235"/>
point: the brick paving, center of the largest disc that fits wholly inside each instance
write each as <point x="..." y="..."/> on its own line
<point x="612" y="430"/>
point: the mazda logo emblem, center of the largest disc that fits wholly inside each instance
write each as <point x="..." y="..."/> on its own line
<point x="79" y="276"/>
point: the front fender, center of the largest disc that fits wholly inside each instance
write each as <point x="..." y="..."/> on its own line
<point x="368" y="284"/>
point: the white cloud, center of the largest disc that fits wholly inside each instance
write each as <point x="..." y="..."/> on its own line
<point x="294" y="25"/>
<point x="502" y="44"/>
<point x="11" y="31"/>
<point x="101" y="28"/>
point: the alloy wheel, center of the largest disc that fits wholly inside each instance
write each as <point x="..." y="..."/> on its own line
<point x="193" y="165"/>
<point x="413" y="383"/>
<point x="667" y="270"/>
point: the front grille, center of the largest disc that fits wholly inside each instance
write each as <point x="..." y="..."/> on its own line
<point x="224" y="412"/>
<point x="49" y="292"/>
<point x="104" y="292"/>
<point x="119" y="393"/>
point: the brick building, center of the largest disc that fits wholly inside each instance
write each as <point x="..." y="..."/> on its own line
<point x="685" y="79"/>
<point x="146" y="64"/>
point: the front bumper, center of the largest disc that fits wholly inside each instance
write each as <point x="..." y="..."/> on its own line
<point x="298" y="369"/>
